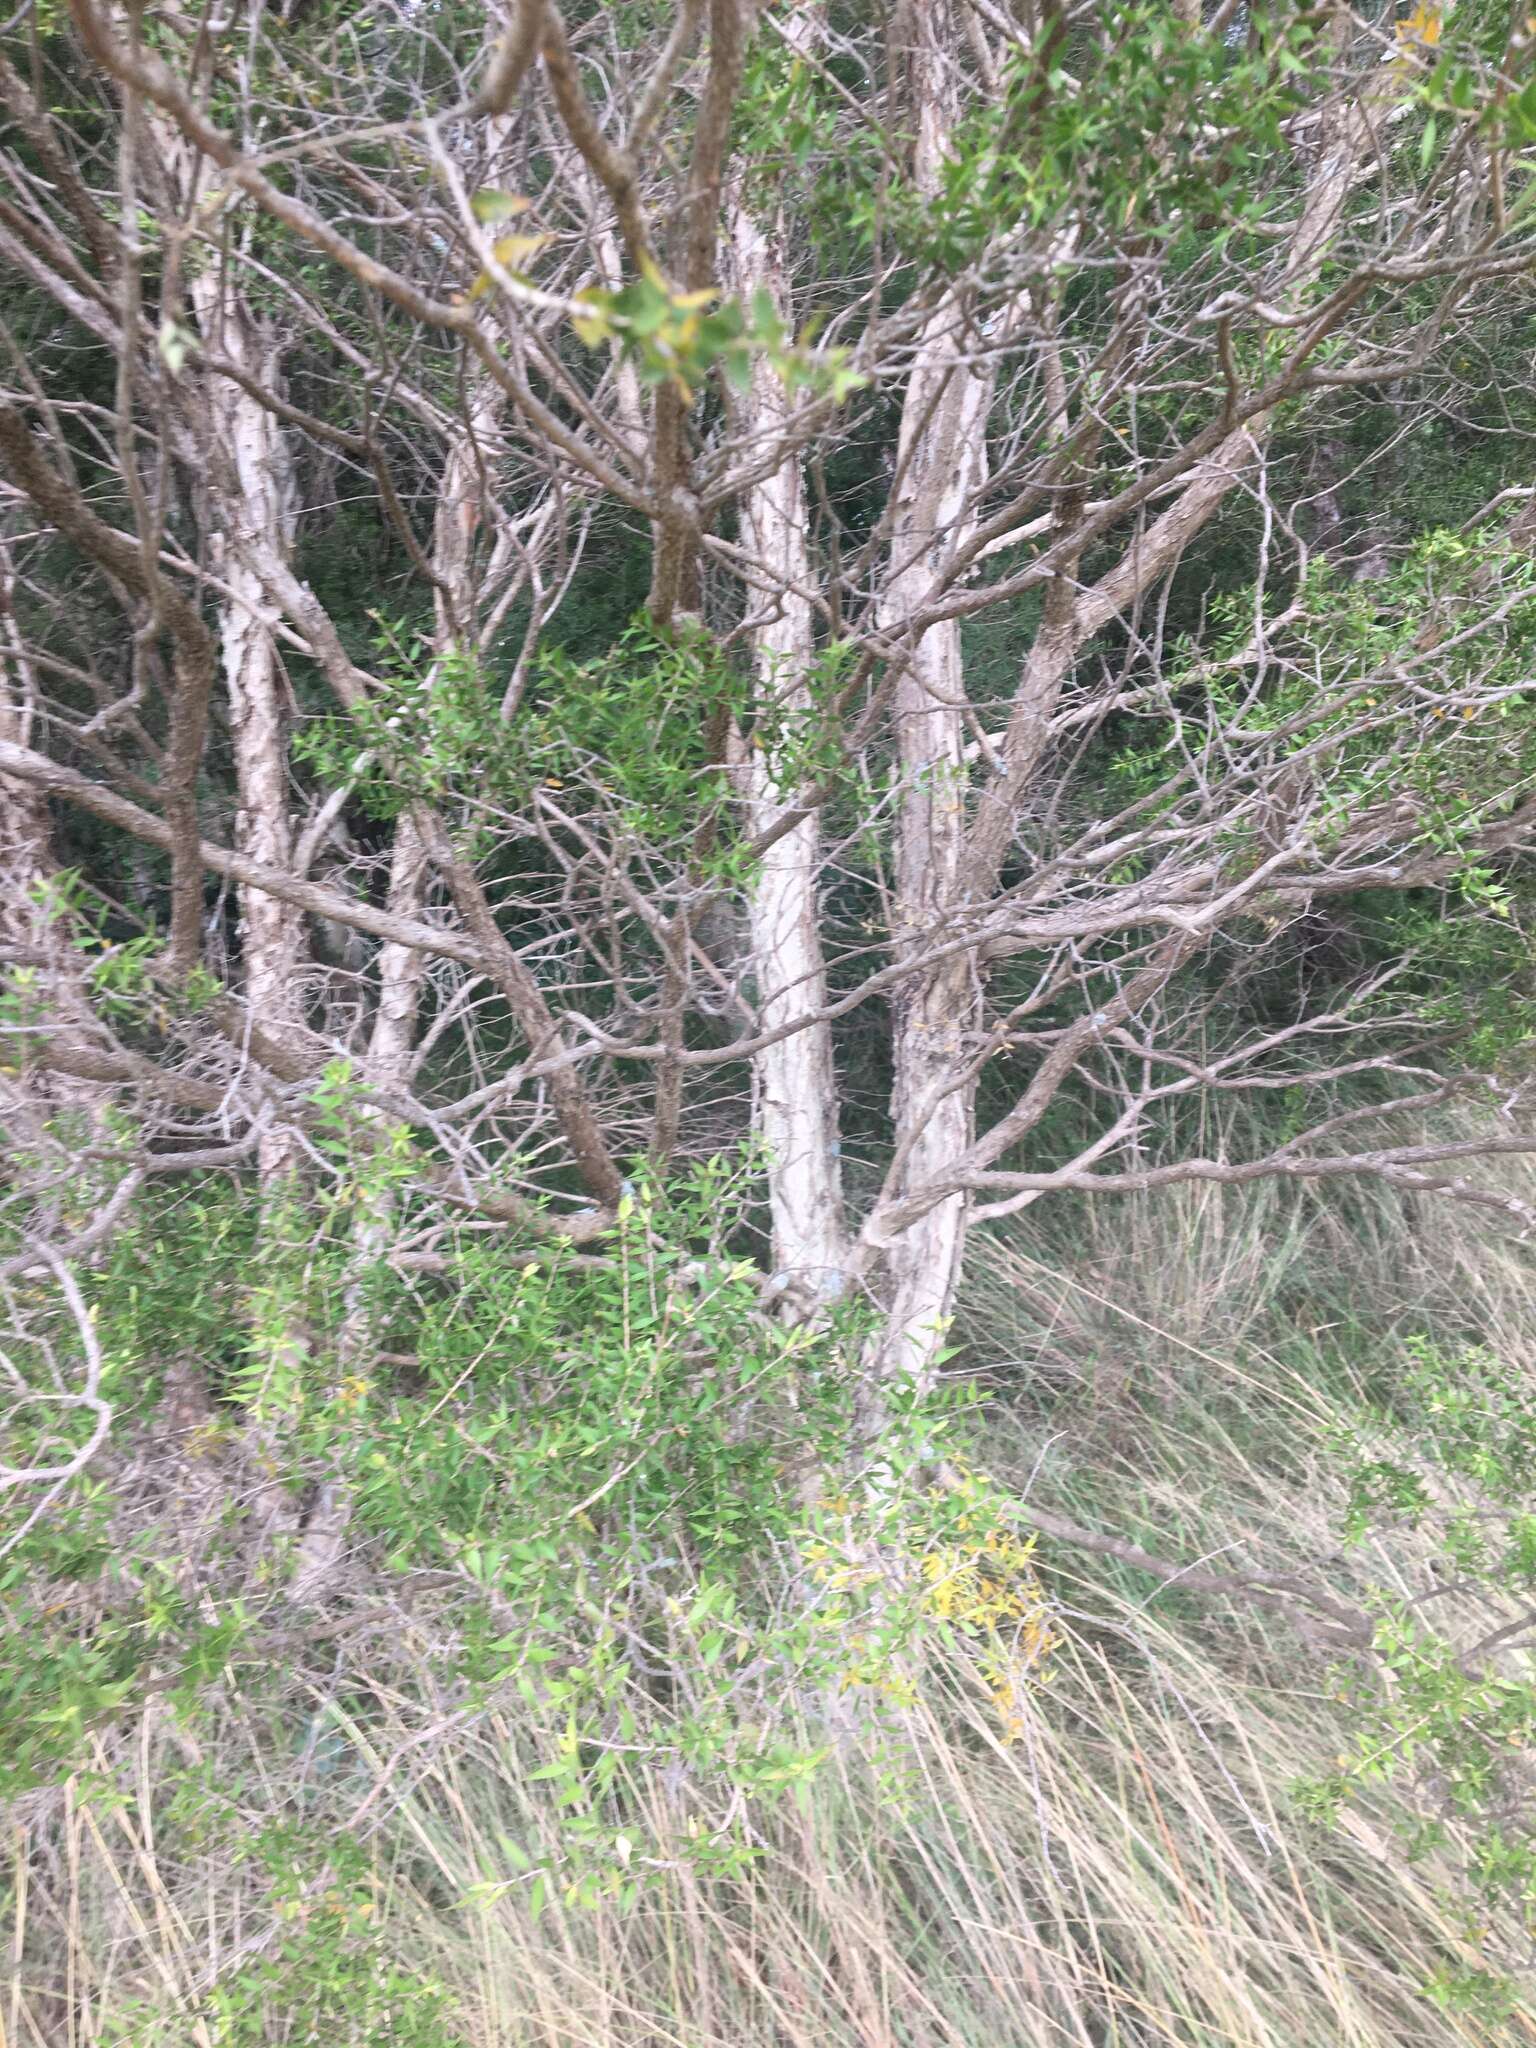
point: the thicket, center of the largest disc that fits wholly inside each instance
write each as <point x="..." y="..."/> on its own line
<point x="765" y="1026"/>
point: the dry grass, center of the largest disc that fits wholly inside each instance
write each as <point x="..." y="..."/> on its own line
<point x="1129" y="1872"/>
<point x="1124" y="1874"/>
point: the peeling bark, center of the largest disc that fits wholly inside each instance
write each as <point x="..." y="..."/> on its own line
<point x="795" y="1086"/>
<point x="249" y="515"/>
<point x="940" y="466"/>
<point x="945" y="859"/>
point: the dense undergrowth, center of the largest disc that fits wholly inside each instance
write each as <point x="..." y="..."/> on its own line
<point x="1017" y="1791"/>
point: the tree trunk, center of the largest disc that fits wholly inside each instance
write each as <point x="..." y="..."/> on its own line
<point x="942" y="860"/>
<point x="940" y="467"/>
<point x="40" y="944"/>
<point x="249" y="513"/>
<point x="794" y="1083"/>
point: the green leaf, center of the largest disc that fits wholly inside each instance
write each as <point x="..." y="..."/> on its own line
<point x="493" y="206"/>
<point x="767" y="327"/>
<point x="511" y="252"/>
<point x="174" y="343"/>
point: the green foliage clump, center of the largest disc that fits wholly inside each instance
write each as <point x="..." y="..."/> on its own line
<point x="630" y="725"/>
<point x="1446" y="1708"/>
<point x="627" y="1397"/>
<point x="630" y="739"/>
<point x="328" y="1972"/>
<point x="608" y="1465"/>
<point x="330" y="1975"/>
<point x="793" y="134"/>
<point x="680" y="338"/>
<point x="102" y="1630"/>
<point x="1158" y="124"/>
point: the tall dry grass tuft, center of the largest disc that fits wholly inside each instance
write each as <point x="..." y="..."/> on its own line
<point x="1125" y="1873"/>
<point x="1129" y="1869"/>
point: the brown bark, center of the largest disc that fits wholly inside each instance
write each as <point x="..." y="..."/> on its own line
<point x="193" y="660"/>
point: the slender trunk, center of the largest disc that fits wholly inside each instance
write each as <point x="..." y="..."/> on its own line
<point x="401" y="972"/>
<point x="39" y="943"/>
<point x="940" y="466"/>
<point x="460" y="511"/>
<point x="26" y="849"/>
<point x="248" y="519"/>
<point x="249" y="514"/>
<point x="675" y="570"/>
<point x="795" y="1089"/>
<point x="941" y="861"/>
<point x="321" y="1547"/>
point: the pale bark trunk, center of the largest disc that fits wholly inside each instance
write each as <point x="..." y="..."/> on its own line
<point x="26" y="851"/>
<point x="401" y="970"/>
<point x="460" y="516"/>
<point x="941" y="457"/>
<point x="939" y="860"/>
<point x="321" y="1547"/>
<point x="250" y="515"/>
<point x="795" y="1088"/>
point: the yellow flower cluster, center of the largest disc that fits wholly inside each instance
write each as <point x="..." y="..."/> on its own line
<point x="1423" y="25"/>
<point x="988" y="1588"/>
<point x="983" y="1583"/>
<point x="979" y="1581"/>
